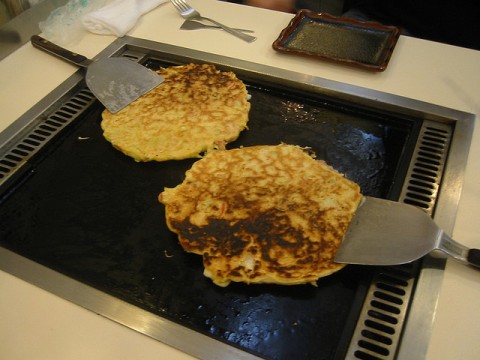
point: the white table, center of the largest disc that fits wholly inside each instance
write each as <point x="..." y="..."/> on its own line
<point x="35" y="324"/>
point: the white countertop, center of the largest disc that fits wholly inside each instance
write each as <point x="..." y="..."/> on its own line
<point x="35" y="324"/>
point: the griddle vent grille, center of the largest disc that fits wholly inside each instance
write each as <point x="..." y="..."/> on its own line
<point x="379" y="328"/>
<point x="378" y="331"/>
<point x="43" y="130"/>
<point x="427" y="167"/>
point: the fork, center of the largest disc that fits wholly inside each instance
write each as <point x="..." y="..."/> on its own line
<point x="196" y="25"/>
<point x="189" y="13"/>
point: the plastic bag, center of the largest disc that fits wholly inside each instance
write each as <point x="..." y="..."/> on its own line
<point x="63" y="26"/>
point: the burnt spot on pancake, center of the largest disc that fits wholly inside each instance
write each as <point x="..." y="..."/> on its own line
<point x="263" y="214"/>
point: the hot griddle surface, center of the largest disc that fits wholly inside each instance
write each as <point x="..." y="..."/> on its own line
<point x="92" y="213"/>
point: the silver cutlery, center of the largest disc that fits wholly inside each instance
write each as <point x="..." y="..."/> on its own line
<point x="195" y="25"/>
<point x="189" y="13"/>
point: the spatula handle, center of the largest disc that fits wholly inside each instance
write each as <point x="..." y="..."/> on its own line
<point x="458" y="251"/>
<point x="54" y="49"/>
<point x="473" y="257"/>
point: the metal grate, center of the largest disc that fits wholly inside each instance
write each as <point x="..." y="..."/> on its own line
<point x="378" y="331"/>
<point x="15" y="157"/>
<point x="427" y="166"/>
<point x="380" y="326"/>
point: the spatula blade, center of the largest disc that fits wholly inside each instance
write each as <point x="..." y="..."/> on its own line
<point x="386" y="232"/>
<point x="117" y="82"/>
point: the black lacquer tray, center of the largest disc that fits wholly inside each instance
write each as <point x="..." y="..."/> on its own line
<point x="367" y="45"/>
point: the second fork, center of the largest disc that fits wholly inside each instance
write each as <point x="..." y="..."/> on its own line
<point x="187" y="12"/>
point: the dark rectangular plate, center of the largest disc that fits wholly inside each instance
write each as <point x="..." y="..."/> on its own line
<point x="368" y="45"/>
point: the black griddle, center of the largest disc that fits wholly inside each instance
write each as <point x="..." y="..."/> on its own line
<point x="89" y="212"/>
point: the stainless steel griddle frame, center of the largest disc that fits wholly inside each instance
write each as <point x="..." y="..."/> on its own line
<point x="411" y="338"/>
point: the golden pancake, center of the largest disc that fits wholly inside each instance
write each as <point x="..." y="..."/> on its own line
<point x="196" y="109"/>
<point x="262" y="214"/>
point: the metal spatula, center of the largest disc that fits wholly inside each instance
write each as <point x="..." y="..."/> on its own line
<point x="115" y="81"/>
<point x="386" y="232"/>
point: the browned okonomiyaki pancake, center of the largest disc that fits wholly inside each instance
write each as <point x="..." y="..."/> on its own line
<point x="196" y="109"/>
<point x="262" y="214"/>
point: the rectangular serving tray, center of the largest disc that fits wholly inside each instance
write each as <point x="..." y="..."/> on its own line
<point x="367" y="45"/>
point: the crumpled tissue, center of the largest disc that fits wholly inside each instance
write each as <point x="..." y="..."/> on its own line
<point x="118" y="17"/>
<point x="68" y="23"/>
